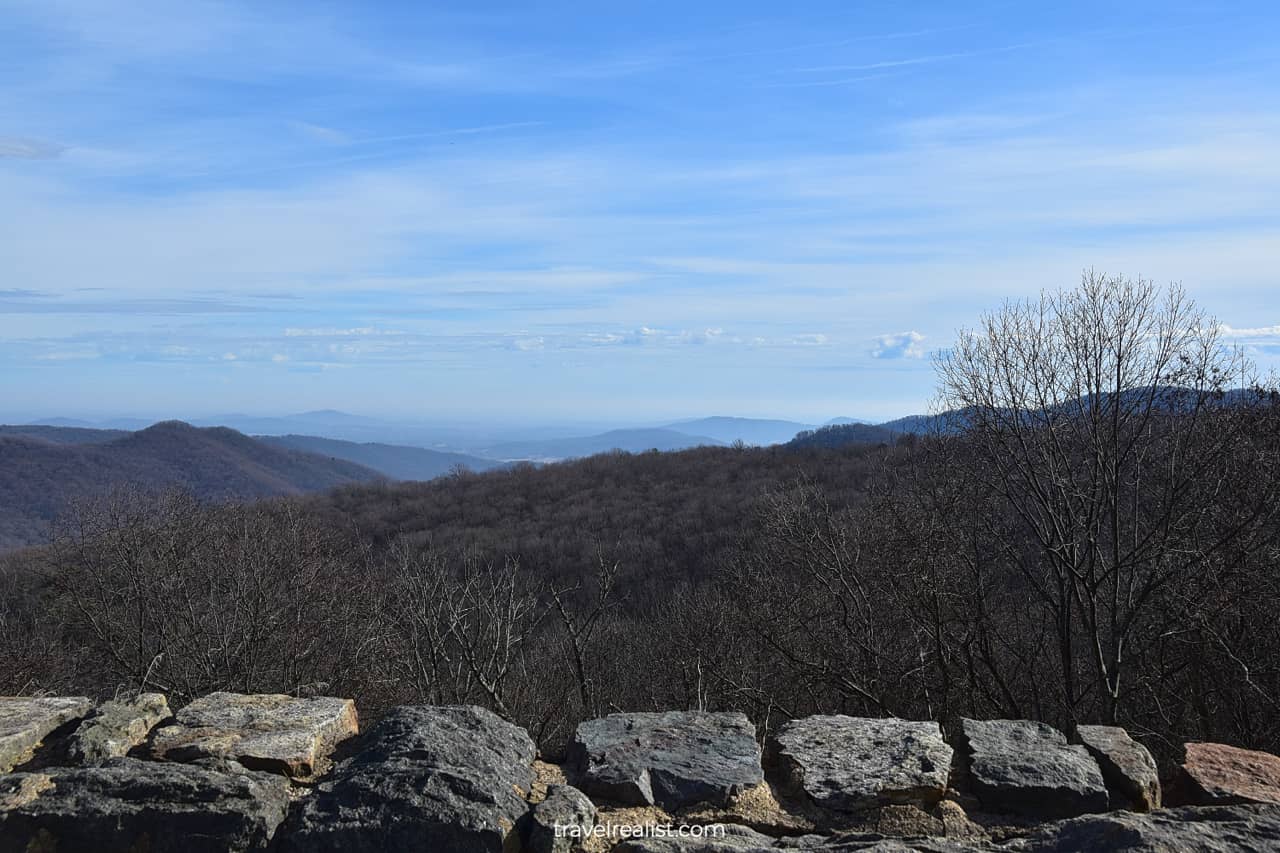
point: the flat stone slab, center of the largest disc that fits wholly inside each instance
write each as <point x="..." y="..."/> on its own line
<point x="670" y="759"/>
<point x="274" y="732"/>
<point x="1218" y="773"/>
<point x="26" y="721"/>
<point x="1127" y="767"/>
<point x="113" y="728"/>
<point x="1220" y="829"/>
<point x="855" y="763"/>
<point x="127" y="806"/>
<point x="1215" y="829"/>
<point x="1028" y="768"/>
<point x="427" y="778"/>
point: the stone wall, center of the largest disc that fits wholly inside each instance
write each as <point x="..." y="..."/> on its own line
<point x="234" y="772"/>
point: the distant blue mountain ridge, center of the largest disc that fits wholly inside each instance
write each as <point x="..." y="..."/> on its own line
<point x="402" y="449"/>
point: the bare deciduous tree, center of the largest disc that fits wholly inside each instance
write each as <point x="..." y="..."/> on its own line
<point x="1101" y="419"/>
<point x="580" y="624"/>
<point x="813" y="599"/>
<point x="188" y="598"/>
<point x="462" y="629"/>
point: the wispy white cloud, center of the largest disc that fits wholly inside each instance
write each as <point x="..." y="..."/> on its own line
<point x="898" y="63"/>
<point x="330" y="135"/>
<point x="1250" y="332"/>
<point x="69" y="355"/>
<point x="883" y="66"/>
<point x="331" y="332"/>
<point x="388" y="147"/>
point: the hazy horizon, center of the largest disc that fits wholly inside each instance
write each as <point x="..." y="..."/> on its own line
<point x="512" y="421"/>
<point x="631" y="216"/>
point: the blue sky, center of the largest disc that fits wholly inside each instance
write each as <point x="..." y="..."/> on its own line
<point x="631" y="212"/>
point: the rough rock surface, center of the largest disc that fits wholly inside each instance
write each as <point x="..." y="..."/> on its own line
<point x="1029" y="768"/>
<point x="26" y="721"/>
<point x="899" y="821"/>
<point x="670" y="759"/>
<point x="426" y="779"/>
<point x="956" y="822"/>
<point x="127" y="806"/>
<point x="1215" y="829"/>
<point x="852" y="763"/>
<point x="1217" y="773"/>
<point x="1127" y="767"/>
<point x="739" y="839"/>
<point x="272" y="732"/>
<point x="114" y="728"/>
<point x="553" y="821"/>
<point x="460" y="779"/>
<point x="760" y="809"/>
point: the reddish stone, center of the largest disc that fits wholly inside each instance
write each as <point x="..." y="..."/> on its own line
<point x="1217" y="773"/>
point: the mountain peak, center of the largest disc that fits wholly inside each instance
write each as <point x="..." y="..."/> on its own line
<point x="168" y="426"/>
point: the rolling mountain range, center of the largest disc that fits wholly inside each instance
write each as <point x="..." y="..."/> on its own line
<point x="395" y="461"/>
<point x="44" y="468"/>
<point x="630" y="440"/>
<point x="44" y="465"/>
<point x="448" y="436"/>
<point x="747" y="430"/>
<point x="488" y="440"/>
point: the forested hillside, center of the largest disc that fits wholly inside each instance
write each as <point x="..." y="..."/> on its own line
<point x="43" y="469"/>
<point x="666" y="517"/>
<point x="840" y="435"/>
<point x="62" y="434"/>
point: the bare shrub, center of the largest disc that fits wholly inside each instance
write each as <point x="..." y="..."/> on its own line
<point x="174" y="595"/>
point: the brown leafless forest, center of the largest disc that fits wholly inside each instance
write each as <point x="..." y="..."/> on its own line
<point x="1090" y="535"/>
